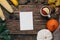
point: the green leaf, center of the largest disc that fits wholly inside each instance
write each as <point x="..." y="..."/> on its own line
<point x="2" y="26"/>
<point x="6" y="32"/>
<point x="6" y="37"/>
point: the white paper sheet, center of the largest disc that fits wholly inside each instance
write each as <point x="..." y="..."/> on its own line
<point x="26" y="20"/>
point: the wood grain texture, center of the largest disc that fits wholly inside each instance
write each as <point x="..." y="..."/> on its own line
<point x="38" y="21"/>
<point x="12" y="20"/>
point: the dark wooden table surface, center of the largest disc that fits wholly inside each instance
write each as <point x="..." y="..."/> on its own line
<point x="39" y="22"/>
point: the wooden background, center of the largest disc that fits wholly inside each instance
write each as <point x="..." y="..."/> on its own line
<point x="39" y="22"/>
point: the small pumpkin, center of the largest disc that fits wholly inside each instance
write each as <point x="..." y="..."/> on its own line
<point x="44" y="34"/>
<point x="52" y="24"/>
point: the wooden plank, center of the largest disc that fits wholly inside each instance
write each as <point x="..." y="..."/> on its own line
<point x="13" y="24"/>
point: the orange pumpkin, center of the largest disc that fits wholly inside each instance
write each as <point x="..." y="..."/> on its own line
<point x="52" y="24"/>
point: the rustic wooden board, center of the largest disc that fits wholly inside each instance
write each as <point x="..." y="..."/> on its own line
<point x="13" y="24"/>
<point x="39" y="21"/>
<point x="24" y="37"/>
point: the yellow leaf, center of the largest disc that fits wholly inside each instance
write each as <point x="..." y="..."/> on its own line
<point x="57" y="3"/>
<point x="51" y="1"/>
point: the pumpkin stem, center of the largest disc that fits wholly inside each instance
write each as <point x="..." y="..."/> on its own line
<point x="53" y="27"/>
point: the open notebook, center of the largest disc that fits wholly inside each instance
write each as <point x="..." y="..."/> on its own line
<point x="26" y="20"/>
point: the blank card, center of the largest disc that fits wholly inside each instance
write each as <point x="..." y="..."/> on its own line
<point x="26" y="20"/>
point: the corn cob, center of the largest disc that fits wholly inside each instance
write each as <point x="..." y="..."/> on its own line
<point x="1" y="14"/>
<point x="6" y="5"/>
<point x="15" y="2"/>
